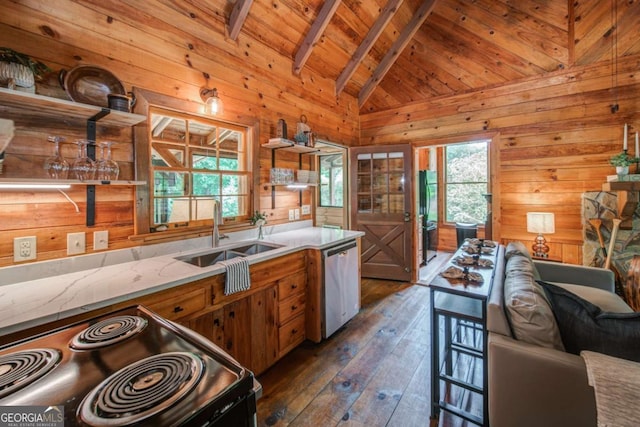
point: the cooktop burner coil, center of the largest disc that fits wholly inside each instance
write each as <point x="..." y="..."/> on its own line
<point x="24" y="367"/>
<point x="108" y="331"/>
<point x="142" y="389"/>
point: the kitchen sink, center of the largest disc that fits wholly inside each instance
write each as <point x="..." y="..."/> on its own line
<point x="214" y="256"/>
<point x="210" y="258"/>
<point x="255" y="248"/>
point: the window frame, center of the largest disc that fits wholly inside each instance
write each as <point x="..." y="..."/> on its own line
<point x="341" y="168"/>
<point x="146" y="102"/>
<point x="190" y="145"/>
<point x="445" y="183"/>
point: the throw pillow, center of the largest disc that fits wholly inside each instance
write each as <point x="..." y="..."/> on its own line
<point x="584" y="326"/>
<point x="528" y="310"/>
<point x="519" y="249"/>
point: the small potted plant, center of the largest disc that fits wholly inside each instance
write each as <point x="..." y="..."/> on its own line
<point x="18" y="69"/>
<point x="258" y="219"/>
<point x="622" y="161"/>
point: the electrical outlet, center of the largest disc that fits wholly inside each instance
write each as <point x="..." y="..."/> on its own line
<point x="75" y="243"/>
<point x="292" y="215"/>
<point x="306" y="209"/>
<point x="100" y="240"/>
<point x="296" y="214"/>
<point x="24" y="248"/>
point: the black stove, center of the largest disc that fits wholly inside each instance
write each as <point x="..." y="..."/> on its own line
<point x="130" y="367"/>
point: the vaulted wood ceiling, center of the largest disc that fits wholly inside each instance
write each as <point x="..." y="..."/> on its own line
<point x="460" y="45"/>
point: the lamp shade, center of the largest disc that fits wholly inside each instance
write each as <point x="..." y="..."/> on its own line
<point x="541" y="222"/>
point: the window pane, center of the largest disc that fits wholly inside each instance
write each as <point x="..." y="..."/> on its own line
<point x="467" y="162"/>
<point x="168" y="210"/>
<point x="466" y="203"/>
<point x="202" y="208"/>
<point x="206" y="184"/>
<point x="167" y="155"/>
<point x="229" y="163"/>
<point x="231" y="184"/>
<point x="331" y="182"/>
<point x="204" y="160"/>
<point x="167" y="183"/>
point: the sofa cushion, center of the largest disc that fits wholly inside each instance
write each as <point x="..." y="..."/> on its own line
<point x="584" y="326"/>
<point x="528" y="310"/>
<point x="607" y="301"/>
<point x="518" y="248"/>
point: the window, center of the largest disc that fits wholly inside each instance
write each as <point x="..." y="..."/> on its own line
<point x="331" y="181"/>
<point x="466" y="181"/>
<point x="193" y="162"/>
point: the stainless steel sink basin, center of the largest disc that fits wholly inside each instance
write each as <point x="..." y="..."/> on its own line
<point x="255" y="248"/>
<point x="216" y="255"/>
<point x="210" y="258"/>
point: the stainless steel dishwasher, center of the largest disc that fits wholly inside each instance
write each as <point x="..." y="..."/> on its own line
<point x="341" y="292"/>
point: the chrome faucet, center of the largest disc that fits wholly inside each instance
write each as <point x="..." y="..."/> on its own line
<point x="217" y="219"/>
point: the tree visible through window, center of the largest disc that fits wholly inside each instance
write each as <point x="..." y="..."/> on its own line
<point x="466" y="181"/>
<point x="331" y="181"/>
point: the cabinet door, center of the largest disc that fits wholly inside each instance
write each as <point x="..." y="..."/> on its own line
<point x="210" y="326"/>
<point x="264" y="331"/>
<point x="237" y="334"/>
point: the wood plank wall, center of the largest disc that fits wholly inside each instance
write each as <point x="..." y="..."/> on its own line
<point x="552" y="137"/>
<point x="166" y="48"/>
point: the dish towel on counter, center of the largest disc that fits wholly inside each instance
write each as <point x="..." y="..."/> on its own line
<point x="237" y="278"/>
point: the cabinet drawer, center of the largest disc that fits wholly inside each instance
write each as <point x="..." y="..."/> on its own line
<point x="290" y="335"/>
<point x="291" y="307"/>
<point x="181" y="305"/>
<point x="291" y="285"/>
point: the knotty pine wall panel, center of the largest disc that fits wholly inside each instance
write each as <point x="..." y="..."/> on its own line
<point x="171" y="48"/>
<point x="554" y="133"/>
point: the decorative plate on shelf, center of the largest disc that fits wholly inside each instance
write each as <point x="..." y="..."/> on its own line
<point x="91" y="85"/>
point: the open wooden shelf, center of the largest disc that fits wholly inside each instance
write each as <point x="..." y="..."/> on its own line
<point x="288" y="145"/>
<point x="23" y="103"/>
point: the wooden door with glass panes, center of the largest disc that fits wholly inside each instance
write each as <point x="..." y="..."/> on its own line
<point x="381" y="208"/>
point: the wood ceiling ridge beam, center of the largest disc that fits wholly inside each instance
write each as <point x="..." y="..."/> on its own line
<point x="238" y="16"/>
<point x="315" y="32"/>
<point x="372" y="36"/>
<point x="398" y="46"/>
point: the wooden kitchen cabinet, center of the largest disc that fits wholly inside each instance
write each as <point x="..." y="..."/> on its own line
<point x="291" y="309"/>
<point x="264" y="330"/>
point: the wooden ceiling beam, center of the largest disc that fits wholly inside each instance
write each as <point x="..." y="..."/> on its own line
<point x="238" y="16"/>
<point x="315" y="32"/>
<point x="396" y="49"/>
<point x="367" y="43"/>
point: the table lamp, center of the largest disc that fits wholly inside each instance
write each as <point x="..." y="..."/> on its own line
<point x="541" y="223"/>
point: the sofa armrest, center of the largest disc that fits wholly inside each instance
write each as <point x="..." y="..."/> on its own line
<point x="576" y="274"/>
<point x="535" y="386"/>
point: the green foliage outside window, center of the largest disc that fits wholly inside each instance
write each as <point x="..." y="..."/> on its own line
<point x="466" y="179"/>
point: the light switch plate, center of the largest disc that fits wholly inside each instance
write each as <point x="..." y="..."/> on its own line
<point x="296" y="214"/>
<point x="100" y="240"/>
<point x="291" y="215"/>
<point x="24" y="248"/>
<point x="75" y="243"/>
<point x="306" y="209"/>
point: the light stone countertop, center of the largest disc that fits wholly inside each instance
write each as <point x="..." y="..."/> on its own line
<point x="118" y="277"/>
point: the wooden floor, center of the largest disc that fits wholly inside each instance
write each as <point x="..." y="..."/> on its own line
<point x="373" y="372"/>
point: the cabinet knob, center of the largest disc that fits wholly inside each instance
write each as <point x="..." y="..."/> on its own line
<point x="294" y="286"/>
<point x="294" y="307"/>
<point x="177" y="309"/>
<point x="294" y="331"/>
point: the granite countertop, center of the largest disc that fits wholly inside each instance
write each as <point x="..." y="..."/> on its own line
<point x="28" y="302"/>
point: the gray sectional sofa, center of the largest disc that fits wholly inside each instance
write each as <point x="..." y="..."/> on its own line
<point x="533" y="381"/>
